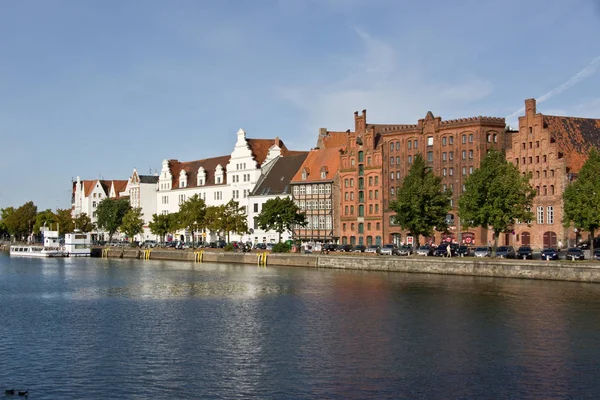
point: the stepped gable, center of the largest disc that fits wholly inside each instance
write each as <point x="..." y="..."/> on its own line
<point x="574" y="137"/>
<point x="315" y="161"/>
<point x="191" y="170"/>
<point x="277" y="180"/>
<point x="260" y="148"/>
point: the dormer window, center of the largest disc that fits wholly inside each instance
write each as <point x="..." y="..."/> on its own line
<point x="304" y="175"/>
<point x="323" y="174"/>
<point x="182" y="179"/>
<point x="201" y="177"/>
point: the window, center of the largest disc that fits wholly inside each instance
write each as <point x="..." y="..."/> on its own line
<point x="308" y="189"/>
<point x="451" y="171"/>
<point x="410" y="159"/>
<point x="451" y="156"/>
<point x="391" y="146"/>
<point x="370" y="195"/>
<point x="544" y="159"/>
<point x="361" y="183"/>
<point x="397" y="145"/>
<point x="444" y="156"/>
<point x="471" y="169"/>
<point x="416" y="144"/>
<point x="464" y="154"/>
<point x="430" y="141"/>
<point x="470" y="138"/>
<point x="392" y="190"/>
<point x="391" y="176"/>
<point x="361" y="169"/>
<point x="327" y="189"/>
<point x="464" y="170"/>
<point x="444" y="140"/>
<point x="360" y="156"/>
<point x="537" y="159"/>
<point x="351" y="210"/>
<point x="464" y="139"/>
<point x="470" y="154"/>
<point x="346" y="210"/>
<point x="397" y="160"/>
<point x="430" y="156"/>
<point x="302" y="189"/>
<point x="346" y="196"/>
<point x="345" y="182"/>
<point x="351" y="182"/>
<point x="495" y="138"/>
<point x="540" y="215"/>
<point x="351" y="196"/>
<point x="530" y="129"/>
<point x="489" y="137"/>
<point x="451" y="140"/>
<point x="323" y="174"/>
<point x="255" y="207"/>
<point x="377" y="180"/>
<point x="537" y="143"/>
<point x="376" y="194"/>
<point x="397" y="175"/>
<point x="391" y="160"/>
<point x="551" y="190"/>
<point x="361" y="228"/>
<point x="409" y="144"/>
<point x="361" y="210"/>
<point x="370" y="209"/>
<point x="444" y="171"/>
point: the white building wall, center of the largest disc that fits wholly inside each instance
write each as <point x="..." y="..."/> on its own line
<point x="259" y="235"/>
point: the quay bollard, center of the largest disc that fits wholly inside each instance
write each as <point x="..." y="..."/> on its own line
<point x="198" y="255"/>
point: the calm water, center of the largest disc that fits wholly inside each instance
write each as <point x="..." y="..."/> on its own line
<point x="119" y="329"/>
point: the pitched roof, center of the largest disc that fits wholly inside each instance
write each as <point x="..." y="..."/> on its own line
<point x="148" y="178"/>
<point x="191" y="170"/>
<point x="120" y="186"/>
<point x="316" y="159"/>
<point x="277" y="180"/>
<point x="574" y="137"/>
<point x="260" y="148"/>
<point x="331" y="139"/>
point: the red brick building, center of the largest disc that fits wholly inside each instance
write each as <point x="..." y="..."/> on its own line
<point x="553" y="149"/>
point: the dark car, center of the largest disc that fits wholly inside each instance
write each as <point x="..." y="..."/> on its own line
<point x="505" y="252"/>
<point x="525" y="252"/>
<point x="550" y="253"/>
<point x="464" y="251"/>
<point x="359" y="248"/>
<point x="597" y="254"/>
<point x="574" y="253"/>
<point x="344" y="248"/>
<point x="327" y="247"/>
<point x="442" y="250"/>
<point x="586" y="245"/>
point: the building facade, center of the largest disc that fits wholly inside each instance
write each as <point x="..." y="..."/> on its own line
<point x="274" y="182"/>
<point x="141" y="190"/>
<point x="552" y="149"/>
<point x="316" y="191"/>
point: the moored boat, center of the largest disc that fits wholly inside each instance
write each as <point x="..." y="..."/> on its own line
<point x="78" y="244"/>
<point x="51" y="247"/>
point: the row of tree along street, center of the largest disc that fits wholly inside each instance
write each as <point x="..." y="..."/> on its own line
<point x="496" y="196"/>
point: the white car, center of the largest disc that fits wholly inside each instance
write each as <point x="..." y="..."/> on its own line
<point x="389" y="250"/>
<point x="483" y="251"/>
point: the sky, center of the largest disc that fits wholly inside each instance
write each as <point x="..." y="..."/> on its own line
<point x="96" y="88"/>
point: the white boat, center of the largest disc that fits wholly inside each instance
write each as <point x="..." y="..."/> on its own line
<point x="50" y="248"/>
<point x="78" y="244"/>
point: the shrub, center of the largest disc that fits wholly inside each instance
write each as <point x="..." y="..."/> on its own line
<point x="281" y="248"/>
<point x="228" y="247"/>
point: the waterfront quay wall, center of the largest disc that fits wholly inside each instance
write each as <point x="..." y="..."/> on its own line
<point x="577" y="271"/>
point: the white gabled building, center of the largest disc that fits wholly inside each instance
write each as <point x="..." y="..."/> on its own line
<point x="141" y="190"/>
<point x="274" y="182"/>
<point x="217" y="180"/>
<point x="87" y="194"/>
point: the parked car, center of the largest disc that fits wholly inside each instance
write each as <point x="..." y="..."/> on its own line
<point x="575" y="253"/>
<point x="425" y="250"/>
<point x="389" y="250"/>
<point x="221" y="244"/>
<point x="150" y="243"/>
<point x="270" y="246"/>
<point x="373" y="249"/>
<point x="550" y="253"/>
<point x="525" y="252"/>
<point x="344" y="248"/>
<point x="586" y="244"/>
<point x="464" y="251"/>
<point x="505" y="252"/>
<point x="597" y="254"/>
<point x="442" y="250"/>
<point x="359" y="248"/>
<point x="260" y="246"/>
<point x="482" y="251"/>
<point x="405" y="250"/>
<point x="327" y="247"/>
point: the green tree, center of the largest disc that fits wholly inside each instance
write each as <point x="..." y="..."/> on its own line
<point x="5" y="217"/>
<point x="191" y="215"/>
<point x="280" y="215"/>
<point x="133" y="223"/>
<point x="162" y="224"/>
<point x="45" y="218"/>
<point x="212" y="219"/>
<point x="495" y="196"/>
<point x="421" y="206"/>
<point x="83" y="223"/>
<point x="110" y="213"/>
<point x="234" y="218"/>
<point x="65" y="220"/>
<point x="582" y="198"/>
<point x="21" y="222"/>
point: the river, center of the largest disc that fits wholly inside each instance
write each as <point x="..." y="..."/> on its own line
<point x="130" y="329"/>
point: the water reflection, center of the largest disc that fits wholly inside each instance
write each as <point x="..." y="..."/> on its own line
<point x="181" y="330"/>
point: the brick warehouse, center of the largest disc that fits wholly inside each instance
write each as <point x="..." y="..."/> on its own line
<point x="376" y="157"/>
<point x="553" y="149"/>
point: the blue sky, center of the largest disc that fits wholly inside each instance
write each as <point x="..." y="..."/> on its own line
<point x="96" y="88"/>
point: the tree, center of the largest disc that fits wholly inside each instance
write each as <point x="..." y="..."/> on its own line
<point x="420" y="204"/>
<point x="83" y="223"/>
<point x="110" y="213"/>
<point x="496" y="195"/>
<point x="234" y="218"/>
<point x="133" y="223"/>
<point x="581" y="198"/>
<point x="5" y="217"/>
<point x="280" y="215"/>
<point x="45" y="218"/>
<point x="212" y="219"/>
<point x="21" y="222"/>
<point x="161" y="224"/>
<point x="191" y="214"/>
<point x="65" y="220"/>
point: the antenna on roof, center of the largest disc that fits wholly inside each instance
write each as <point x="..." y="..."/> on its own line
<point x="150" y="170"/>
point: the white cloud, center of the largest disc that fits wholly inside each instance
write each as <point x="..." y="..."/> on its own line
<point x="376" y="80"/>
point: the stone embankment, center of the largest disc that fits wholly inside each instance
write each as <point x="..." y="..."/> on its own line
<point x="578" y="271"/>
